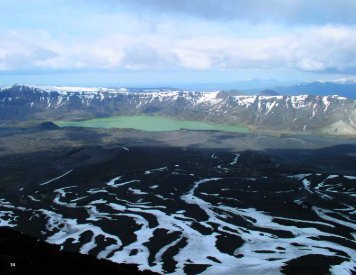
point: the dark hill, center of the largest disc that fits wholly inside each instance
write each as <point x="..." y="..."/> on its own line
<point x="34" y="257"/>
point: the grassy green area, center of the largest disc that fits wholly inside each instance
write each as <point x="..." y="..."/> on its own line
<point x="151" y="123"/>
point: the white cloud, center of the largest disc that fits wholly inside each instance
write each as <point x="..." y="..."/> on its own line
<point x="308" y="64"/>
<point x="315" y="49"/>
<point x="307" y="49"/>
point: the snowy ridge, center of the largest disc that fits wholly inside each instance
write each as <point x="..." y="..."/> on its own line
<point x="65" y="89"/>
<point x="340" y="81"/>
<point x="162" y="95"/>
<point x="304" y="111"/>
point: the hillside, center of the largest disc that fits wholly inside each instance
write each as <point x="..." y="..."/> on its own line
<point x="303" y="113"/>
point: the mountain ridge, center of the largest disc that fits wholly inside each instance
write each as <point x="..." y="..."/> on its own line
<point x="302" y="113"/>
<point x="342" y="87"/>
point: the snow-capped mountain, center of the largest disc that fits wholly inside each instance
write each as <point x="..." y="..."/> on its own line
<point x="344" y="87"/>
<point x="329" y="114"/>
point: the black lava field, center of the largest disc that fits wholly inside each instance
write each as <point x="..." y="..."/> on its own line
<point x="191" y="211"/>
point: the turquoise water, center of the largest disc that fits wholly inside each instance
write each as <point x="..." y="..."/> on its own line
<point x="152" y="123"/>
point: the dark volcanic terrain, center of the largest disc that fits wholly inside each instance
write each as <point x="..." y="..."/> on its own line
<point x="21" y="254"/>
<point x="184" y="201"/>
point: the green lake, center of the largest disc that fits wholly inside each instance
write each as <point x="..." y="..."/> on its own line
<point x="152" y="123"/>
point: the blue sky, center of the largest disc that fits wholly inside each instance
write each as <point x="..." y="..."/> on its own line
<point x="176" y="43"/>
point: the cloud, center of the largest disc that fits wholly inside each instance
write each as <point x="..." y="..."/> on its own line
<point x="282" y="11"/>
<point x="145" y="57"/>
<point x="18" y="50"/>
<point x="317" y="49"/>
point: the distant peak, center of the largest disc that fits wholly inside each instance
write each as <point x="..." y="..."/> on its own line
<point x="268" y="93"/>
<point x="341" y="81"/>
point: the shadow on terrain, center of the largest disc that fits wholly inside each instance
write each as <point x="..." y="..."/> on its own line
<point x="338" y="159"/>
<point x="22" y="254"/>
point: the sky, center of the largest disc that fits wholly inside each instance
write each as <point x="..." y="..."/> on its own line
<point x="176" y="43"/>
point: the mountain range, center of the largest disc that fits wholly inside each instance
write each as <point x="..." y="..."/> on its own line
<point x="298" y="113"/>
<point x="345" y="87"/>
<point x="342" y="87"/>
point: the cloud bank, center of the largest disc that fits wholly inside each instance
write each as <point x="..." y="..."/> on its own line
<point x="203" y="36"/>
<point x="326" y="48"/>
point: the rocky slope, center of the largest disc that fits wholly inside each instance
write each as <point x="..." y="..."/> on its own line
<point x="303" y="113"/>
